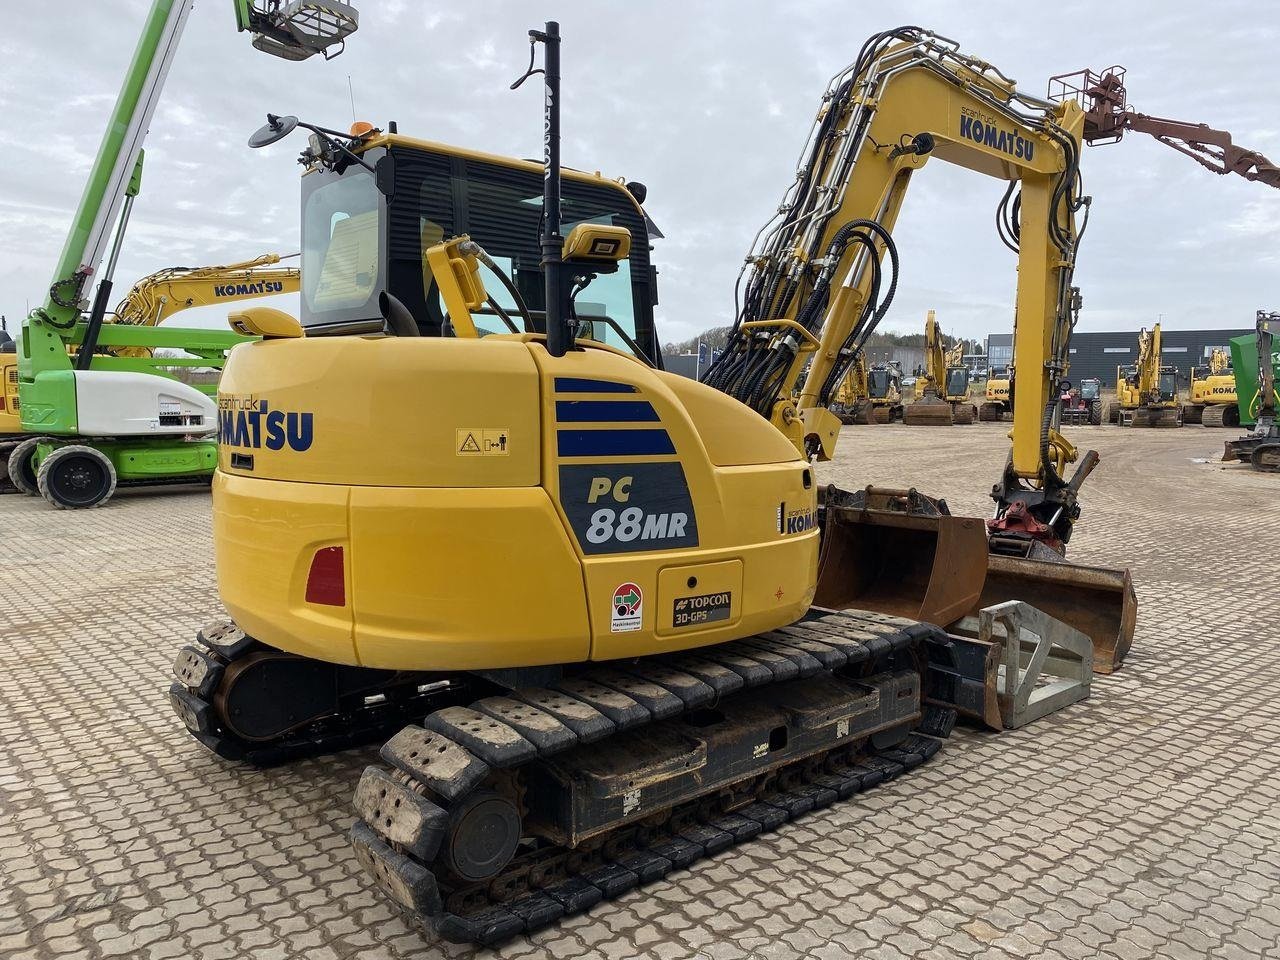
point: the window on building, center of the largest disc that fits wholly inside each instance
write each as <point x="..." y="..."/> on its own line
<point x="1117" y="350"/>
<point x="1174" y="350"/>
<point x="1208" y="351"/>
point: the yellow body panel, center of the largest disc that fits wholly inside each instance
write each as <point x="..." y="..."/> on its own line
<point x="997" y="391"/>
<point x="10" y="422"/>
<point x="465" y="481"/>
<point x="265" y="534"/>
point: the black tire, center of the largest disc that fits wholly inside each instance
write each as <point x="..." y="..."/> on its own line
<point x="1095" y="413"/>
<point x="22" y="473"/>
<point x="77" y="477"/>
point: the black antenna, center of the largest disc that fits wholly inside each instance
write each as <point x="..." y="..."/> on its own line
<point x="558" y="336"/>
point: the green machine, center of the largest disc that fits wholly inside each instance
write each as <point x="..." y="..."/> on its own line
<point x="1256" y="362"/>
<point x="99" y="407"/>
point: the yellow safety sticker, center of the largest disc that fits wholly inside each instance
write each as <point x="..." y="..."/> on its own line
<point x="483" y="442"/>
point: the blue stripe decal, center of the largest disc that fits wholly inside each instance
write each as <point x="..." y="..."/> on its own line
<point x="605" y="411"/>
<point x="613" y="443"/>
<point x="582" y="385"/>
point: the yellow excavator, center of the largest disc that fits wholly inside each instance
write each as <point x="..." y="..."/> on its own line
<point x="150" y="302"/>
<point x="1146" y="391"/>
<point x="995" y="404"/>
<point x="869" y="394"/>
<point x="623" y="622"/>
<point x="852" y="402"/>
<point x="942" y="395"/>
<point x="1211" y="398"/>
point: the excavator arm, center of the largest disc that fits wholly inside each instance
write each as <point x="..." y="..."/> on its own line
<point x="1104" y="99"/>
<point x="160" y="295"/>
<point x="824" y="270"/>
<point x="156" y="297"/>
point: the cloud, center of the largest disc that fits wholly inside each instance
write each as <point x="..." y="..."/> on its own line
<point x="709" y="110"/>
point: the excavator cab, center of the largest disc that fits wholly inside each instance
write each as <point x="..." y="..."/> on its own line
<point x="957" y="386"/>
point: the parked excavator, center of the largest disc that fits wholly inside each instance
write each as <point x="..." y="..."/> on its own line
<point x="869" y="395"/>
<point x="995" y="404"/>
<point x="943" y="399"/>
<point x="651" y="637"/>
<point x="99" y="406"/>
<point x="1256" y="361"/>
<point x="852" y="402"/>
<point x="1146" y="391"/>
<point x="1211" y="397"/>
<point x="152" y="300"/>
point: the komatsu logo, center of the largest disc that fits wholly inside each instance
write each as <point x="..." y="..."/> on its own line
<point x="982" y="129"/>
<point x="250" y="422"/>
<point x="795" y="521"/>
<point x="259" y="289"/>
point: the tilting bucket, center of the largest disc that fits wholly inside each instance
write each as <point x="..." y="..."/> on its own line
<point x="1097" y="601"/>
<point x="894" y="551"/>
<point x="929" y="568"/>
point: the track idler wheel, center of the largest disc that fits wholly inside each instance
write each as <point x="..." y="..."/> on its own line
<point x="484" y="832"/>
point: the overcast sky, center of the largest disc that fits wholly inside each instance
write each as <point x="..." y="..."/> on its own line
<point x="708" y="103"/>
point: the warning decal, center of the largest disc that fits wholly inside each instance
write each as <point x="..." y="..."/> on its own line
<point x="482" y="442"/>
<point x="628" y="609"/>
<point x="705" y="608"/>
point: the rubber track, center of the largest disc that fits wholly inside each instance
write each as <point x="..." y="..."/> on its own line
<point x="192" y="696"/>
<point x="825" y="644"/>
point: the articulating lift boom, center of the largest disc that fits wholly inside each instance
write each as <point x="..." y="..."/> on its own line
<point x="152" y="300"/>
<point x="98" y="424"/>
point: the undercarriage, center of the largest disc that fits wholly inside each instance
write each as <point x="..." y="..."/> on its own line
<point x="502" y="809"/>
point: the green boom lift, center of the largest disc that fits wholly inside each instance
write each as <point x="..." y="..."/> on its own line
<point x="1256" y="362"/>
<point x="95" y="418"/>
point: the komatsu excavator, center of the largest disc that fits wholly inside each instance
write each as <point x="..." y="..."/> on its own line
<point x="622" y="625"/>
<point x="152" y="300"/>
<point x="869" y="395"/>
<point x="944" y="397"/>
<point x="1211" y="398"/>
<point x="1147" y="391"/>
<point x="995" y="404"/>
<point x="852" y="402"/>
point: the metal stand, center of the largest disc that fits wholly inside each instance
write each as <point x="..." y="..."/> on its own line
<point x="1038" y="664"/>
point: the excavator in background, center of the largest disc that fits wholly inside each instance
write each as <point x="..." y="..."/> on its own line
<point x="1146" y="391"/>
<point x="869" y="395"/>
<point x="152" y="300"/>
<point x="942" y="394"/>
<point x="852" y="402"/>
<point x="697" y="642"/>
<point x="995" y="405"/>
<point x="884" y="383"/>
<point x="1211" y="398"/>
<point x="99" y="406"/>
<point x="1256" y="361"/>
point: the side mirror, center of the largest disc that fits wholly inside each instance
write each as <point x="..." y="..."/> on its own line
<point x="276" y="128"/>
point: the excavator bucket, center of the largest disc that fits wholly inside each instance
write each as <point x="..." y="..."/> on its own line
<point x="895" y="551"/>
<point x="928" y="413"/>
<point x="899" y="552"/>
<point x="1097" y="601"/>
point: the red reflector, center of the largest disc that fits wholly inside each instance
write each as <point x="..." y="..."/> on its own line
<point x="325" y="582"/>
